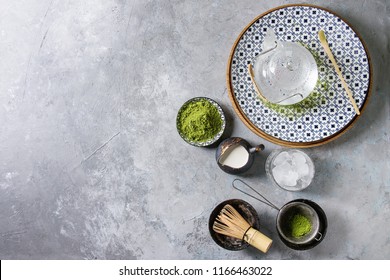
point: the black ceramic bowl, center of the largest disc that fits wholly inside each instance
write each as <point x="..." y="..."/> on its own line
<point x="210" y="141"/>
<point x="323" y="226"/>
<point x="247" y="212"/>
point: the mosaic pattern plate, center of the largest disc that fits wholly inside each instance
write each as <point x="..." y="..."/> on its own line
<point x="327" y="111"/>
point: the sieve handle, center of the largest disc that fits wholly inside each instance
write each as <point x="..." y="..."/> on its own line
<point x="257" y="240"/>
<point x="318" y="236"/>
<point x="260" y="197"/>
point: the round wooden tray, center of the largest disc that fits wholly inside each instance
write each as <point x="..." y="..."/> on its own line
<point x="327" y="113"/>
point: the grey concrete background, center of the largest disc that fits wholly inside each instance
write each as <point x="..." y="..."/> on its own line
<point x="91" y="165"/>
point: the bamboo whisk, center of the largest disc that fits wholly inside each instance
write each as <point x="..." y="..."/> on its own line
<point x="229" y="222"/>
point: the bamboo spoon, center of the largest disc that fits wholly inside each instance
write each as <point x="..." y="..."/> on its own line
<point x="324" y="43"/>
<point x="229" y="222"/>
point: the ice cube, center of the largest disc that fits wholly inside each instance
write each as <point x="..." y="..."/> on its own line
<point x="302" y="169"/>
<point x="298" y="159"/>
<point x="281" y="158"/>
<point x="305" y="181"/>
<point x="284" y="175"/>
<point x="279" y="172"/>
<point x="291" y="179"/>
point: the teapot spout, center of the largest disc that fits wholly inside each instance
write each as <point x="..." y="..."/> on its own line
<point x="270" y="41"/>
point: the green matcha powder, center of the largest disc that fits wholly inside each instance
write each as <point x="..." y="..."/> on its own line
<point x="199" y="121"/>
<point x="300" y="226"/>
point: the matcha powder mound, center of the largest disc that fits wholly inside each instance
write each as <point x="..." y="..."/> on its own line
<point x="199" y="121"/>
<point x="300" y="226"/>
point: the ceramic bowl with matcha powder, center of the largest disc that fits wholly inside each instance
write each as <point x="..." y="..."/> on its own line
<point x="200" y="121"/>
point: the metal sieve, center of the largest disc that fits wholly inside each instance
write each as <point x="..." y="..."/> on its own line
<point x="284" y="219"/>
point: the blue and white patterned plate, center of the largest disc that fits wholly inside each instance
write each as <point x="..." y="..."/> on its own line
<point x="327" y="111"/>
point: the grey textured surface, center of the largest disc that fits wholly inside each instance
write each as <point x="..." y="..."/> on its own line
<point x="91" y="165"/>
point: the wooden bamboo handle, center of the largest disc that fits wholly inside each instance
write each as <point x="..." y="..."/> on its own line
<point x="258" y="240"/>
<point x="252" y="76"/>
<point x="332" y="59"/>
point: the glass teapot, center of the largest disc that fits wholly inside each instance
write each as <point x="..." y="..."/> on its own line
<point x="284" y="72"/>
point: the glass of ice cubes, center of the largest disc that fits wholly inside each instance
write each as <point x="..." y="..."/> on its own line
<point x="290" y="169"/>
